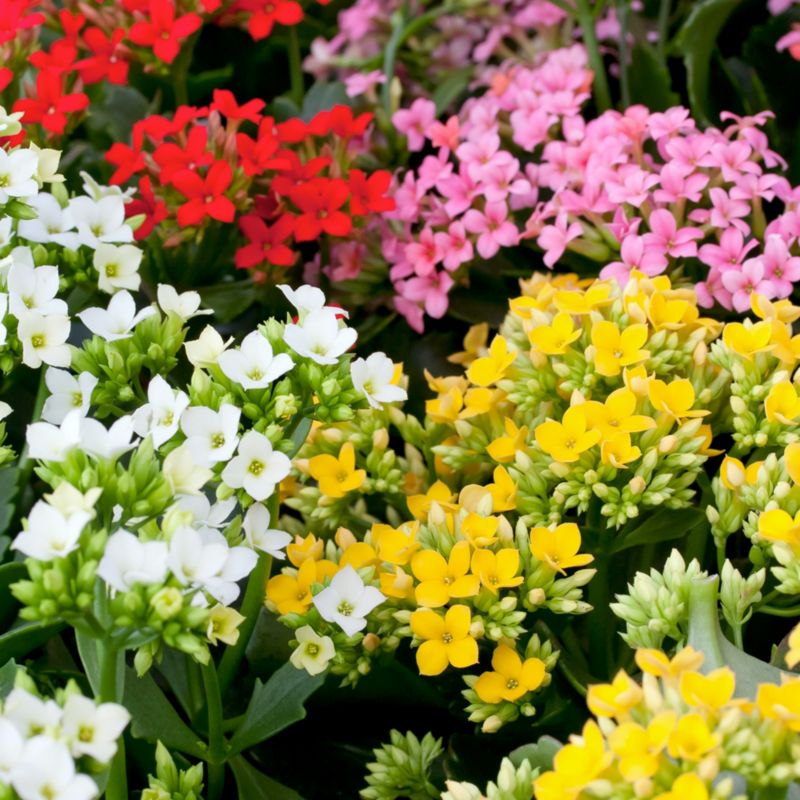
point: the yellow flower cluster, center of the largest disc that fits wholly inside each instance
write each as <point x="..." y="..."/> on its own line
<point x="675" y="735"/>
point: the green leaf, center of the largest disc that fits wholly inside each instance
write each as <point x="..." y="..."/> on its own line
<point x="450" y="89"/>
<point x="696" y="42"/>
<point x="662" y="526"/>
<point x="650" y="81"/>
<point x="300" y="434"/>
<point x="91" y="652"/>
<point x="155" y="718"/>
<point x="322" y="97"/>
<point x="19" y="641"/>
<point x="540" y="755"/>
<point x="275" y="705"/>
<point x="121" y="107"/>
<point x="254" y="785"/>
<point x="8" y="494"/>
<point x="229" y="299"/>
<point x="706" y="636"/>
<point x="10" y="573"/>
<point x="8" y="674"/>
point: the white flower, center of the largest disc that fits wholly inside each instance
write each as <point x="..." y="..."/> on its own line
<point x="347" y="601"/>
<point x="202" y="559"/>
<point x="67" y="499"/>
<point x="320" y="337"/>
<point x="117" y="267"/>
<point x="253" y="366"/>
<point x="313" y="652"/>
<point x="108" y="443"/>
<point x="30" y="714"/>
<point x="160" y="417"/>
<point x="44" y="339"/>
<point x="118" y="320"/>
<point x="53" y="223"/>
<point x="67" y="393"/>
<point x="50" y="534"/>
<point x="374" y="377"/>
<point x="257" y="468"/>
<point x="97" y="191"/>
<point x="5" y="410"/>
<point x="17" y="170"/>
<point x="128" y="561"/>
<point x="211" y="516"/>
<point x="307" y="299"/>
<point x="185" y="304"/>
<point x="5" y="231"/>
<point x="11" y="744"/>
<point x="260" y="536"/>
<point x="92" y="730"/>
<point x="205" y="350"/>
<point x="100" y="220"/>
<point x="47" y="168"/>
<point x="3" y="309"/>
<point x="33" y="288"/>
<point x="48" y="442"/>
<point x="183" y="474"/>
<point x="46" y="771"/>
<point x="211" y="435"/>
<point x="10" y="123"/>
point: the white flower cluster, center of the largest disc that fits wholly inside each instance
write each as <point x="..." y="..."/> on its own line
<point x="41" y="741"/>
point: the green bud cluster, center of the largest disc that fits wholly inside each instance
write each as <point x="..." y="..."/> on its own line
<point x="171" y="783"/>
<point x="402" y="768"/>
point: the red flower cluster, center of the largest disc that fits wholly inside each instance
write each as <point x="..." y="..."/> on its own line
<point x="289" y="182"/>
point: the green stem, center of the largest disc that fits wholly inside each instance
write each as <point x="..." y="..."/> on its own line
<point x="180" y="70"/>
<point x="602" y="94"/>
<point x="601" y="626"/>
<point x="295" y="68"/>
<point x="664" y="9"/>
<point x="110" y="692"/>
<point x="775" y="611"/>
<point x="26" y="463"/>
<point x="570" y="677"/>
<point x="216" y="739"/>
<point x="624" y="78"/>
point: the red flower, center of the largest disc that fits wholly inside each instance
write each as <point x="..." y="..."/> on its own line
<point x="258" y="155"/>
<point x="320" y="201"/>
<point x="206" y="195"/>
<point x="292" y="131"/>
<point x="264" y="14"/>
<point x="50" y="107"/>
<point x="128" y="162"/>
<point x="339" y="121"/>
<point x="60" y="58"/>
<point x="6" y="76"/>
<point x="159" y="128"/>
<point x="172" y="158"/>
<point x="369" y="193"/>
<point x="226" y="104"/>
<point x="145" y="202"/>
<point x="163" y="31"/>
<point x="71" y="24"/>
<point x="297" y="172"/>
<point x="266" y="243"/>
<point x="14" y="17"/>
<point x="107" y="60"/>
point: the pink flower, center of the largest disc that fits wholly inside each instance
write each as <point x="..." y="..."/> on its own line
<point x="414" y="121"/>
<point x="635" y="255"/>
<point x="631" y="185"/>
<point x="741" y="283"/>
<point x="781" y="268"/>
<point x="445" y="135"/>
<point x="362" y="82"/>
<point x="347" y="261"/>
<point x="431" y="291"/>
<point x="712" y="291"/>
<point x="460" y="190"/>
<point x="425" y="253"/>
<point x="726" y="211"/>
<point x="554" y="238"/>
<point x="455" y="246"/>
<point x="500" y="180"/>
<point x="665" y="235"/>
<point x="679" y="182"/>
<point x="730" y="251"/>
<point x="410" y="310"/>
<point x="494" y="228"/>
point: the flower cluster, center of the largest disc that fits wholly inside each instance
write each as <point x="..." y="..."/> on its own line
<point x="49" y="748"/>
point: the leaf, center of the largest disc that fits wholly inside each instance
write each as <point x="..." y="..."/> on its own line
<point x="91" y="653"/>
<point x="155" y="718"/>
<point x="275" y="705"/>
<point x="10" y="573"/>
<point x="228" y="300"/>
<point x="662" y="526"/>
<point x="8" y="494"/>
<point x="705" y="635"/>
<point x="8" y="675"/>
<point x="322" y="97"/>
<point x="696" y="41"/>
<point x="449" y="90"/>
<point x="19" y="641"/>
<point x="254" y="785"/>
<point x="121" y="107"/>
<point x="540" y="755"/>
<point x="175" y="668"/>
<point x="650" y="81"/>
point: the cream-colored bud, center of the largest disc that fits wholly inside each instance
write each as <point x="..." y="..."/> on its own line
<point x="492" y="724"/>
<point x="700" y="354"/>
<point x="637" y="484"/>
<point x="380" y="439"/>
<point x="667" y="444"/>
<point x="371" y="642"/>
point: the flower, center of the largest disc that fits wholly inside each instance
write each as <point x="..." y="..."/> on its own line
<point x="307" y="299"/>
<point x="223" y="625"/>
<point x="205" y="196"/>
<point x="319" y="337"/>
<point x="614" y="699"/>
<point x="46" y="770"/>
<point x="614" y="349"/>
<point x="337" y="475"/>
<point x="776" y="525"/>
<point x="555" y="339"/>
<point x="512" y="677"/>
<point x="781" y="703"/>
<point x="489" y="369"/>
<point x="207" y="348"/>
<point x="747" y="340"/>
<point x="711" y="691"/>
<point x="67" y="393"/>
<point x="566" y="440"/>
<point x="253" y="365"/>
<point x="44" y="339"/>
<point x="497" y="570"/>
<point x="118" y="320"/>
<point x="686" y="787"/>
<point x="257" y="468"/>
<point x="183" y="474"/>
<point x="128" y="561"/>
<point x="185" y="305"/>
<point x="793" y="653"/>
<point x="33" y="289"/>
<point x="100" y="220"/>
<point x="260" y="536"/>
<point x="92" y="730"/>
<point x="291" y="594"/>
<point x="52" y="443"/>
<point x="104" y="443"/>
<point x="211" y="435"/>
<point x="347" y="601"/>
<point x="446" y="640"/>
<point x="440" y="580"/>
<point x="118" y="267"/>
<point x="162" y="31"/>
<point x="374" y="377"/>
<point x="313" y="652"/>
<point x="691" y="738"/>
<point x="50" y="534"/>
<point x="17" y="170"/>
<point x="505" y="448"/>
<point x="559" y="548"/>
<point x="675" y="398"/>
<point x="782" y="403"/>
<point x="160" y="417"/>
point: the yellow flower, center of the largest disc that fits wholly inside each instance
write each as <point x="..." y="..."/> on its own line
<point x="479" y="531"/>
<point x="665" y="313"/>
<point x="358" y="555"/>
<point x="397" y="584"/>
<point x="791" y="460"/>
<point x="497" y="570"/>
<point x="637" y="380"/>
<point x="708" y="435"/>
<point x="555" y="339"/>
<point x="479" y="401"/>
<point x="793" y="654"/>
<point x="559" y="548"/>
<point x="504" y="448"/>
<point x="474" y="344"/>
<point x="565" y="441"/>
<point x="691" y="739"/>
<point x="747" y="340"/>
<point x="512" y="677"/>
<point x="732" y="473"/>
<point x="446" y="639"/>
<point x="638" y="748"/>
<point x="396" y="545"/>
<point x="420" y="504"/>
<point x="614" y="699"/>
<point x="616" y="415"/>
<point x="654" y="662"/>
<point x="776" y="525"/>
<point x="337" y="476"/>
<point x="291" y="594"/>
<point x="446" y="407"/>
<point x="503" y="491"/>
<point x="618" y="451"/>
<point x="577" y="302"/>
<point x="781" y="310"/>
<point x="441" y="580"/>
<point x="711" y="691"/>
<point x="686" y="787"/>
<point x="675" y="398"/>
<point x="490" y="369"/>
<point x="615" y="349"/>
<point x="781" y="703"/>
<point x="785" y="346"/>
<point x="302" y="548"/>
<point x="782" y="403"/>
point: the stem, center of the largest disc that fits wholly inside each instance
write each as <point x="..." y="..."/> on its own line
<point x="180" y="71"/>
<point x="600" y="624"/>
<point x="110" y="692"/>
<point x="295" y="68"/>
<point x="216" y="740"/>
<point x="664" y="9"/>
<point x="26" y="462"/>
<point x="775" y="611"/>
<point x="602" y="94"/>
<point x="624" y="78"/>
<point x="571" y="679"/>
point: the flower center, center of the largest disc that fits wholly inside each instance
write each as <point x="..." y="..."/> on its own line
<point x="77" y="399"/>
<point x="217" y="440"/>
<point x="345" y="609"/>
<point x="111" y="270"/>
<point x="86" y="734"/>
<point x="447" y="638"/>
<point x="255" y="467"/>
<point x="512" y="683"/>
<point x="37" y="340"/>
<point x="312" y="649"/>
